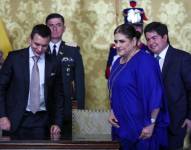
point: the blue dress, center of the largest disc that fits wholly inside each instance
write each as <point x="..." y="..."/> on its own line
<point x="113" y="53"/>
<point x="135" y="91"/>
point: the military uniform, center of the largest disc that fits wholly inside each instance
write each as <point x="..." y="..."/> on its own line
<point x="73" y="81"/>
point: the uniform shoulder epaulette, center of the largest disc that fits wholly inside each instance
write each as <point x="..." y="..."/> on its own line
<point x="112" y="45"/>
<point x="72" y="44"/>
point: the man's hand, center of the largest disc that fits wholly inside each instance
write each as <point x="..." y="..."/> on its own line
<point x="147" y="132"/>
<point x="113" y="120"/>
<point x="5" y="124"/>
<point x="55" y="129"/>
<point x="74" y="104"/>
<point x="55" y="132"/>
<point x="187" y="123"/>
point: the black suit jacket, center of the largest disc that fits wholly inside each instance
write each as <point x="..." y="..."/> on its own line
<point x="14" y="88"/>
<point x="73" y="77"/>
<point x="176" y="74"/>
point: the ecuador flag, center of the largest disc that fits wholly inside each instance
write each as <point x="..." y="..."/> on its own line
<point x="5" y="45"/>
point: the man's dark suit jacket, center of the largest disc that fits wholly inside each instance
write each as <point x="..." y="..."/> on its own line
<point x="73" y="77"/>
<point x="14" y="88"/>
<point x="176" y="74"/>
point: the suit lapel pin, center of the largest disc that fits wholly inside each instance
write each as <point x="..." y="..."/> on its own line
<point x="52" y="74"/>
<point x="61" y="53"/>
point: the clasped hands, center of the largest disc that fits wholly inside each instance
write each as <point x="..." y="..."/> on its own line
<point x="145" y="133"/>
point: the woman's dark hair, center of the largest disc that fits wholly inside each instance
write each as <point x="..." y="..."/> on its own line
<point x="128" y="30"/>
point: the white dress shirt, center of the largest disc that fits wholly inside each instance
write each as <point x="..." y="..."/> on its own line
<point x="51" y="45"/>
<point x="162" y="55"/>
<point x="41" y="66"/>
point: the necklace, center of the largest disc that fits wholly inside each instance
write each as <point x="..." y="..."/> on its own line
<point x="126" y="58"/>
<point x="115" y="73"/>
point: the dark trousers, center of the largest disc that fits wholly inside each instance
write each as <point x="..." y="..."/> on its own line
<point x="67" y="124"/>
<point x="32" y="127"/>
<point x="176" y="141"/>
<point x="67" y="130"/>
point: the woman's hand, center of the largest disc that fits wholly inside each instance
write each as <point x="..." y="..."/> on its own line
<point x="147" y="132"/>
<point x="113" y="120"/>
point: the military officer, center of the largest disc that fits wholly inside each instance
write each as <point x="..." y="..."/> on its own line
<point x="72" y="69"/>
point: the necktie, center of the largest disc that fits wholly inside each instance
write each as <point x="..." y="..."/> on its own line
<point x="54" y="50"/>
<point x="35" y="87"/>
<point x="158" y="57"/>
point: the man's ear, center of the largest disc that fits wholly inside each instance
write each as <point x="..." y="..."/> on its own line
<point x="64" y="28"/>
<point x="165" y="37"/>
<point x="29" y="40"/>
<point x="135" y="41"/>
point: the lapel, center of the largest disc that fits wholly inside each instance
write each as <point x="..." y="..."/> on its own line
<point x="25" y="66"/>
<point x="48" y="66"/>
<point x="61" y="51"/>
<point x="48" y="50"/>
<point x="167" y="61"/>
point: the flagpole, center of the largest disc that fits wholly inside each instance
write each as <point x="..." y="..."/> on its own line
<point x="117" y="3"/>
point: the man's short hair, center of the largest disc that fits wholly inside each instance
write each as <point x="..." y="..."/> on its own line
<point x="41" y="29"/>
<point x="54" y="15"/>
<point x="158" y="27"/>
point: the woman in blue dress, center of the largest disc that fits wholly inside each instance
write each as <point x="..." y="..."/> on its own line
<point x="138" y="116"/>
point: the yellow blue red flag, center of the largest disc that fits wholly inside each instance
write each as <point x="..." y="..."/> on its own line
<point x="5" y="45"/>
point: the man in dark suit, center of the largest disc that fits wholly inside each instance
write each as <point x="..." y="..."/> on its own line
<point x="175" y="65"/>
<point x="19" y="118"/>
<point x="72" y="68"/>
